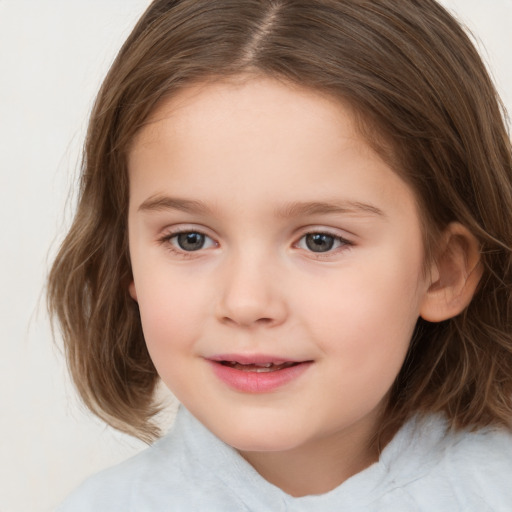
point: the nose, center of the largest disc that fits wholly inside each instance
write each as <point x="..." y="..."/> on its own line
<point x="251" y="294"/>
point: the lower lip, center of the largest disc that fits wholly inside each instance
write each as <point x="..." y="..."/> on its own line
<point x="258" y="382"/>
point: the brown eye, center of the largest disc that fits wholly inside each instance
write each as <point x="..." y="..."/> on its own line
<point x="319" y="242"/>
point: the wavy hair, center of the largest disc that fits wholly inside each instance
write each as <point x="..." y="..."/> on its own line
<point x="424" y="100"/>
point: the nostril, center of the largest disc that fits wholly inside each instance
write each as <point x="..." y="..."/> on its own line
<point x="258" y="321"/>
<point x="244" y="307"/>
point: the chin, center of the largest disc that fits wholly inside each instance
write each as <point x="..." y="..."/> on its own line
<point x="260" y="438"/>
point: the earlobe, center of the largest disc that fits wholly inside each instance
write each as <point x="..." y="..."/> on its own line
<point x="132" y="291"/>
<point x="455" y="275"/>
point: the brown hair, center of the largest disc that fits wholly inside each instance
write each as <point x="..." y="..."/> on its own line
<point x="407" y="67"/>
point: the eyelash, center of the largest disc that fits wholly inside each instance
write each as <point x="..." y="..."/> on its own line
<point x="166" y="240"/>
<point x="344" y="244"/>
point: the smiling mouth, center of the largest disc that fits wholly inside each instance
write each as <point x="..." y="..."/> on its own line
<point x="258" y="367"/>
<point x="257" y="373"/>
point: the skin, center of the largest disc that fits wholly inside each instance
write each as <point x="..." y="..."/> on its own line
<point x="247" y="150"/>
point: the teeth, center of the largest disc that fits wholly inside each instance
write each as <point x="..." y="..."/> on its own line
<point x="258" y="367"/>
<point x="264" y="369"/>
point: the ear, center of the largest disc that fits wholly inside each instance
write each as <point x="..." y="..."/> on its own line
<point x="132" y="291"/>
<point x="455" y="275"/>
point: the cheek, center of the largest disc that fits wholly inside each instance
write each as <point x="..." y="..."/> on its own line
<point x="368" y="312"/>
<point x="364" y="331"/>
<point x="171" y="312"/>
<point x="172" y="316"/>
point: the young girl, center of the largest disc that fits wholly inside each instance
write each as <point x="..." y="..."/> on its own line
<point x="297" y="215"/>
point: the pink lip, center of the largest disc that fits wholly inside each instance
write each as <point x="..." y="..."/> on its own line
<point x="252" y="381"/>
<point x="253" y="358"/>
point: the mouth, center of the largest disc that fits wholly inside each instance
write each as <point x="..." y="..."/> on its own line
<point x="258" y="367"/>
<point x="257" y="373"/>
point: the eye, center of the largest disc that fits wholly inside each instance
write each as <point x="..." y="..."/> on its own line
<point x="190" y="241"/>
<point x="321" y="242"/>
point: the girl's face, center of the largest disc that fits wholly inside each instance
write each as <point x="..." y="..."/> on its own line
<point x="277" y="263"/>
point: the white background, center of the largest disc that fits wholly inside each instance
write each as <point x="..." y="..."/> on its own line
<point x="53" y="55"/>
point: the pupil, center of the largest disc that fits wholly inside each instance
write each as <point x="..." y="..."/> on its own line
<point x="190" y="241"/>
<point x="318" y="242"/>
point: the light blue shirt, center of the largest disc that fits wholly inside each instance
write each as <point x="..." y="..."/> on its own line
<point x="423" y="468"/>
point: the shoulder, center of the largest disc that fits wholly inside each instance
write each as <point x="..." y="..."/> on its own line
<point x="115" y="488"/>
<point x="470" y="471"/>
<point x="479" y="464"/>
<point x="188" y="469"/>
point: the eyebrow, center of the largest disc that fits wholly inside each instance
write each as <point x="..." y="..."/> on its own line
<point x="160" y="203"/>
<point x="294" y="209"/>
<point x="297" y="209"/>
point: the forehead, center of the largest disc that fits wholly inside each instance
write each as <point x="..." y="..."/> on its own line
<point x="247" y="98"/>
<point x="256" y="134"/>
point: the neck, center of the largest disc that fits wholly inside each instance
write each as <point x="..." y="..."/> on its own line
<point x="318" y="466"/>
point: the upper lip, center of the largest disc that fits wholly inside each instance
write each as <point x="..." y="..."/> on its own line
<point x="253" y="359"/>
